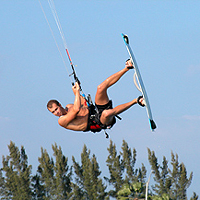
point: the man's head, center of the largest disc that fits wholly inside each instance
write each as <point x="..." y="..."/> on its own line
<point x="55" y="108"/>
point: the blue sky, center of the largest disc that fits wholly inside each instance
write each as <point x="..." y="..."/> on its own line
<point x="165" y="38"/>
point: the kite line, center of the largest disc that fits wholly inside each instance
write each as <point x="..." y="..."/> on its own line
<point x="56" y="18"/>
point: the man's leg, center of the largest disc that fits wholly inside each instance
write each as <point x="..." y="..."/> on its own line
<point x="101" y="97"/>
<point x="107" y="115"/>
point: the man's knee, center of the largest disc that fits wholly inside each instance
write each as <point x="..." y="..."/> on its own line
<point x="107" y="117"/>
<point x="107" y="113"/>
<point x="101" y="88"/>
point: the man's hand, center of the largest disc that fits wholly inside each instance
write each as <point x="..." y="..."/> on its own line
<point x="76" y="88"/>
<point x="129" y="64"/>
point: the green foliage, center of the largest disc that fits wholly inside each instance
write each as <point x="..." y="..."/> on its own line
<point x="17" y="181"/>
<point x="123" y="165"/>
<point x="62" y="174"/>
<point x="163" y="197"/>
<point x="132" y="174"/>
<point x="124" y="191"/>
<point x="88" y="183"/>
<point x="172" y="182"/>
<point x="54" y="178"/>
<point x="194" y="197"/>
<point x="164" y="182"/>
<point x="116" y="168"/>
<point x="128" y="191"/>
<point x="180" y="182"/>
<point x="2" y="184"/>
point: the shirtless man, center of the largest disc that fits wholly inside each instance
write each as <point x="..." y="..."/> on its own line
<point x="79" y="117"/>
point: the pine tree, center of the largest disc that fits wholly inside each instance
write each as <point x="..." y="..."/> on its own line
<point x="172" y="182"/>
<point x="180" y="182"/>
<point x="78" y="188"/>
<point x="62" y="174"/>
<point x="134" y="177"/>
<point x="116" y="167"/>
<point x="45" y="173"/>
<point x="17" y="181"/>
<point x="53" y="180"/>
<point x="162" y="179"/>
<point x="128" y="160"/>
<point x="88" y="182"/>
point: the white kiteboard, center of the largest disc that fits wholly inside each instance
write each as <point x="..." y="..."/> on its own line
<point x="141" y="87"/>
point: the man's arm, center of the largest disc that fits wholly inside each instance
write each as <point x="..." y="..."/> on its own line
<point x="77" y="101"/>
<point x="83" y="101"/>
<point x="74" y="110"/>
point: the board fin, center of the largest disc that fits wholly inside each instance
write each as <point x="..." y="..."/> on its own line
<point x="152" y="124"/>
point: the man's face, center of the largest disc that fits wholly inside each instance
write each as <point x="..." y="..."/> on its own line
<point x="56" y="110"/>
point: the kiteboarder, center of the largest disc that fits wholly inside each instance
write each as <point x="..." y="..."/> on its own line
<point x="81" y="117"/>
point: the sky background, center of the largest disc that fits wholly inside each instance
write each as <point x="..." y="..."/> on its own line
<point x="165" y="38"/>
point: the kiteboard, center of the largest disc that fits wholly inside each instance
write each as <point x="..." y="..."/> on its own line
<point x="140" y="87"/>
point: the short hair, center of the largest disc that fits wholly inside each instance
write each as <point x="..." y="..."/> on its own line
<point x="49" y="104"/>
